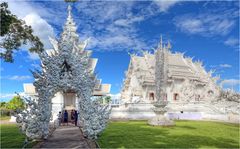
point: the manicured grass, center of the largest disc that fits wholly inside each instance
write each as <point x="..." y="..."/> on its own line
<point x="11" y="136"/>
<point x="186" y="134"/>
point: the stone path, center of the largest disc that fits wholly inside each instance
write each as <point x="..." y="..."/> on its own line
<point x="6" y="122"/>
<point x="67" y="137"/>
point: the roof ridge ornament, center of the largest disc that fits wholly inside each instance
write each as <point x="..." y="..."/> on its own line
<point x="161" y="43"/>
<point x="169" y="46"/>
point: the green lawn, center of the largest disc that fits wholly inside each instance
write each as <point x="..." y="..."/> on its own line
<point x="11" y="136"/>
<point x="186" y="134"/>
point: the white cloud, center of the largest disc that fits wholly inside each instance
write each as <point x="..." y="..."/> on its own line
<point x="19" y="78"/>
<point x="233" y="42"/>
<point x="10" y="95"/>
<point x="230" y="82"/>
<point x="40" y="26"/>
<point x="36" y="66"/>
<point x="164" y="5"/>
<point x="225" y="66"/>
<point x="129" y="21"/>
<point x="7" y="95"/>
<point x="33" y="56"/>
<point x="205" y="24"/>
<point x="20" y="8"/>
<point x="117" y="31"/>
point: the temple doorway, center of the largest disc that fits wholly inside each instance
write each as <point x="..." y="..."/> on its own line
<point x="70" y="102"/>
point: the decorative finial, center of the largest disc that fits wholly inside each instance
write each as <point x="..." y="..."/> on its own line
<point x="69" y="10"/>
<point x="169" y="46"/>
<point x="161" y="43"/>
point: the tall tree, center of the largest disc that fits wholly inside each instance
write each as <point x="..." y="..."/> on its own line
<point x="14" y="33"/>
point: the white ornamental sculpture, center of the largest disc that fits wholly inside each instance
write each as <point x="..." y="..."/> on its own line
<point x="160" y="107"/>
<point x="65" y="69"/>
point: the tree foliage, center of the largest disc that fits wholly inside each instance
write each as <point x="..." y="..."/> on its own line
<point x="104" y="99"/>
<point x="3" y="104"/>
<point x="108" y="99"/>
<point x="16" y="103"/>
<point x="14" y="33"/>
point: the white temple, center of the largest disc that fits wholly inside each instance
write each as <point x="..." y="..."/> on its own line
<point x="186" y="80"/>
<point x="68" y="100"/>
<point x="190" y="91"/>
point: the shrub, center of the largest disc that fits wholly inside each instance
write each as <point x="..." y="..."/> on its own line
<point x="5" y="111"/>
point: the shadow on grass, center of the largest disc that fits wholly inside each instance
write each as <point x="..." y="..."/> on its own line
<point x="185" y="127"/>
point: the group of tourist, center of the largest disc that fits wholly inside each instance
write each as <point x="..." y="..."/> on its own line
<point x="63" y="118"/>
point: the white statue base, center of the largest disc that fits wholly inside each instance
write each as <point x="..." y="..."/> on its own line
<point x="161" y="120"/>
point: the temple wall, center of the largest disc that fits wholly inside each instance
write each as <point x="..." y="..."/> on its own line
<point x="134" y="82"/>
<point x="133" y="111"/>
<point x="178" y="111"/>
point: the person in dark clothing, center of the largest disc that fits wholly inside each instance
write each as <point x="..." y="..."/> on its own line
<point x="72" y="116"/>
<point x="65" y="117"/>
<point x="76" y="117"/>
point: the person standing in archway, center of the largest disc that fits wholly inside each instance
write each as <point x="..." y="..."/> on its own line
<point x="72" y="116"/>
<point x="65" y="117"/>
<point x="75" y="117"/>
<point x="59" y="118"/>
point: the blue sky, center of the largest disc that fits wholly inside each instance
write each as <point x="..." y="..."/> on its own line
<point x="206" y="31"/>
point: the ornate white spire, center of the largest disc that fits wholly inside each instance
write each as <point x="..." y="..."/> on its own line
<point x="69" y="29"/>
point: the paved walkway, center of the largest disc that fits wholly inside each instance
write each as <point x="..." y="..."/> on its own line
<point x="6" y="122"/>
<point x="66" y="137"/>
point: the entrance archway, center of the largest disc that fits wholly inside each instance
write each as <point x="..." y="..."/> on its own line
<point x="66" y="68"/>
